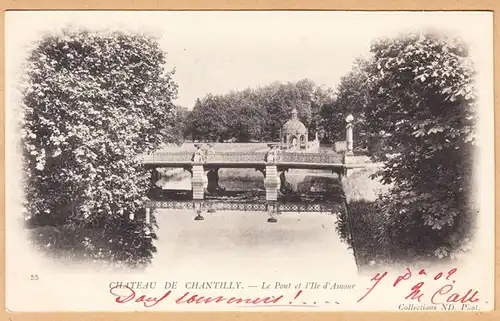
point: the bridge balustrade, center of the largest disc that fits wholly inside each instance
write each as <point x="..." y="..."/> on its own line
<point x="311" y="158"/>
<point x="239" y="157"/>
<point x="245" y="157"/>
<point x="165" y="157"/>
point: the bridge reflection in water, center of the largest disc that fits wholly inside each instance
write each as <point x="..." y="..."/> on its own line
<point x="248" y="201"/>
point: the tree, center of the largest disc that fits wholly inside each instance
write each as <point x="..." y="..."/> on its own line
<point x="323" y="100"/>
<point x="210" y="119"/>
<point x="259" y="114"/>
<point x="422" y="107"/>
<point x="351" y="98"/>
<point x="280" y="99"/>
<point x="247" y="118"/>
<point x="93" y="103"/>
<point x="180" y="125"/>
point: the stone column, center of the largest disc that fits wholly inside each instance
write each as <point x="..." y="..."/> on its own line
<point x="349" y="135"/>
<point x="272" y="182"/>
<point x="349" y="154"/>
<point x="198" y="182"/>
<point x="198" y="187"/>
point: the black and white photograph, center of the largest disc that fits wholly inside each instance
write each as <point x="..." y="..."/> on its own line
<point x="249" y="161"/>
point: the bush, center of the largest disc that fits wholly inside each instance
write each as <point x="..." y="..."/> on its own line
<point x="367" y="232"/>
<point x="417" y="101"/>
<point x="116" y="243"/>
<point x="93" y="103"/>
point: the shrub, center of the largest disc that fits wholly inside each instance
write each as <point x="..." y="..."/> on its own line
<point x="417" y="101"/>
<point x="93" y="103"/>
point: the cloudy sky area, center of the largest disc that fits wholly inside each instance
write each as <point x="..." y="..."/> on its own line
<point x="215" y="52"/>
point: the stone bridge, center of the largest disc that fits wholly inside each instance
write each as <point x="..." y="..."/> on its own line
<point x="273" y="163"/>
<point x="205" y="164"/>
<point x="257" y="160"/>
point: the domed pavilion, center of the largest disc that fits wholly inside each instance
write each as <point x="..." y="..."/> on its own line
<point x="294" y="133"/>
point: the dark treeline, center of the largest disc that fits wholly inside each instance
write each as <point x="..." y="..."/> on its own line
<point x="258" y="114"/>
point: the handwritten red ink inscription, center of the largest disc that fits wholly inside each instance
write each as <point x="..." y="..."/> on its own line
<point x="445" y="294"/>
<point x="127" y="294"/>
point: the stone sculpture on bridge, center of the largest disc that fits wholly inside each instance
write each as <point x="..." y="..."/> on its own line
<point x="199" y="154"/>
<point x="272" y="155"/>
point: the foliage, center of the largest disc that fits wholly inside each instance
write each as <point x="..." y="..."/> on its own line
<point x="97" y="243"/>
<point x="209" y="119"/>
<point x="93" y="103"/>
<point x="180" y="125"/>
<point x="351" y="98"/>
<point x="422" y="108"/>
<point x="258" y="114"/>
<point x="368" y="233"/>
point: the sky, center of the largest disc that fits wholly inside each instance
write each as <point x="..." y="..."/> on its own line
<point x="219" y="51"/>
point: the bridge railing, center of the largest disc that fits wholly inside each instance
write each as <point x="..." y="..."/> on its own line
<point x="165" y="157"/>
<point x="239" y="157"/>
<point x="313" y="158"/>
<point x="244" y="157"/>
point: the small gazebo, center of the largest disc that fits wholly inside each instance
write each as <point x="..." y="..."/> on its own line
<point x="294" y="133"/>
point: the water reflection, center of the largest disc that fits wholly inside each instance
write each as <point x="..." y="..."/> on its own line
<point x="248" y="185"/>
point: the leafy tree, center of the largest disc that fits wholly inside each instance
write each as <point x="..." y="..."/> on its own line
<point x="351" y="98"/>
<point x="280" y="99"/>
<point x="94" y="102"/>
<point x="180" y="125"/>
<point x="258" y="114"/>
<point x="210" y="119"/>
<point x="247" y="119"/>
<point x="322" y="106"/>
<point x="422" y="107"/>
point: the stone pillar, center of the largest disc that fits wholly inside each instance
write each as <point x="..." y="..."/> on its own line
<point x="349" y="164"/>
<point x="349" y="154"/>
<point x="271" y="182"/>
<point x="349" y="135"/>
<point x="198" y="183"/>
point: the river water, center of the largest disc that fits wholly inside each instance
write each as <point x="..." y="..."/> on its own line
<point x="228" y="243"/>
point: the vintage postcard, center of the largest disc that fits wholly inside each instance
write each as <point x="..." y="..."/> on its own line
<point x="249" y="161"/>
